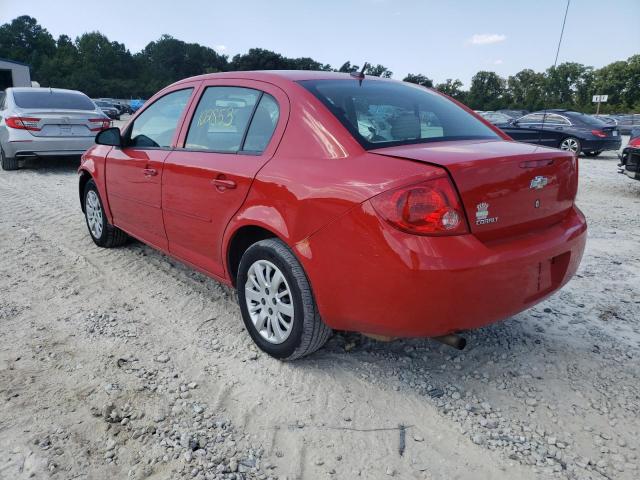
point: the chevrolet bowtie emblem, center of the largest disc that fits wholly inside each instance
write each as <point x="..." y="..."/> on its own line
<point x="538" y="182"/>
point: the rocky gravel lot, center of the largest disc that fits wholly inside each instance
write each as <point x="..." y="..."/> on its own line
<point x="125" y="364"/>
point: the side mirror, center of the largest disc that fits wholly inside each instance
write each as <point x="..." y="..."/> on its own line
<point x="110" y="136"/>
<point x="514" y="122"/>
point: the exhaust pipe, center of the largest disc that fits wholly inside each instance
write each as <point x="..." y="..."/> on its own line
<point x="453" y="340"/>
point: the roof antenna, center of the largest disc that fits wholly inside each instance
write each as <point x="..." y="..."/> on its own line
<point x="555" y="63"/>
<point x="360" y="75"/>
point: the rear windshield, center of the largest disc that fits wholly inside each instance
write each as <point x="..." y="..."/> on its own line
<point x="381" y="113"/>
<point x="587" y="120"/>
<point x="53" y="99"/>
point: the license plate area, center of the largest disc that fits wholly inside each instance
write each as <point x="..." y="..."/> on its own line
<point x="550" y="274"/>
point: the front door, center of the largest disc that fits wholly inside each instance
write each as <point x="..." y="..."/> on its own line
<point x="134" y="172"/>
<point x="233" y="131"/>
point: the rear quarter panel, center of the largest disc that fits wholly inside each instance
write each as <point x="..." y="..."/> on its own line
<point x="318" y="173"/>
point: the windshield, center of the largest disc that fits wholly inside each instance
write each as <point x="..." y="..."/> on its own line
<point x="381" y="113"/>
<point x="52" y="99"/>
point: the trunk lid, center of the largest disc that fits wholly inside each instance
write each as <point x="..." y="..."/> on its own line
<point x="59" y="123"/>
<point x="611" y="131"/>
<point x="507" y="188"/>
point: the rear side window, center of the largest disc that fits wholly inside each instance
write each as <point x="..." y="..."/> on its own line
<point x="53" y="99"/>
<point x="155" y="127"/>
<point x="263" y="124"/>
<point x="221" y="119"/>
<point x="380" y="113"/>
<point x="532" y="118"/>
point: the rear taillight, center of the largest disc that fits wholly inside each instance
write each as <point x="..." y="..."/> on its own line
<point x="635" y="142"/>
<point x="23" y="123"/>
<point x="429" y="208"/>
<point x="598" y="133"/>
<point x="104" y="124"/>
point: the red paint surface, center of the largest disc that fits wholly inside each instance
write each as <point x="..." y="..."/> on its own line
<point x="311" y="188"/>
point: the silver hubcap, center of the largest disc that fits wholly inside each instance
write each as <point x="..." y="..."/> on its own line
<point x="269" y="301"/>
<point x="569" y="144"/>
<point x="93" y="211"/>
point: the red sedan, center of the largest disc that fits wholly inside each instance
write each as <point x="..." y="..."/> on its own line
<point x="337" y="201"/>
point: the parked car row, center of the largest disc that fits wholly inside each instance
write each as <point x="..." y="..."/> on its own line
<point x="108" y="108"/>
<point x="559" y="128"/>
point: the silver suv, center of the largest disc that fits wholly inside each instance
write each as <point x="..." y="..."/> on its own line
<point x="46" y="122"/>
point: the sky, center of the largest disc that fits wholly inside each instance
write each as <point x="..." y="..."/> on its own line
<point x="441" y="39"/>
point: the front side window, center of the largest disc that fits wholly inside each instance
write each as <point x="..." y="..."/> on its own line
<point x="379" y="113"/>
<point x="221" y="119"/>
<point x="155" y="127"/>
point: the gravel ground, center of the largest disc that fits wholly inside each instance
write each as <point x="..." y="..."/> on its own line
<point x="126" y="364"/>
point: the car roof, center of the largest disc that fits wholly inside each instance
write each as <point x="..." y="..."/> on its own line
<point x="281" y="76"/>
<point x="43" y="89"/>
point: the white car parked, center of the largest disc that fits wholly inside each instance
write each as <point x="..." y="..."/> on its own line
<point x="46" y="122"/>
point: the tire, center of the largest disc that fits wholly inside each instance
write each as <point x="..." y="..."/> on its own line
<point x="102" y="232"/>
<point x="8" y="163"/>
<point x="593" y="154"/>
<point x="303" y="331"/>
<point x="571" y="144"/>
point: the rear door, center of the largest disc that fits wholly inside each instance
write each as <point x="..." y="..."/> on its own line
<point x="134" y="172"/>
<point x="535" y="128"/>
<point x="233" y="130"/>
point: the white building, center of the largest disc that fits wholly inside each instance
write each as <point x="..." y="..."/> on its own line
<point x="14" y="74"/>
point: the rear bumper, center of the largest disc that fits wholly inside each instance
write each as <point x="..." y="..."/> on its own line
<point x="602" y="144"/>
<point x="371" y="278"/>
<point x="44" y="147"/>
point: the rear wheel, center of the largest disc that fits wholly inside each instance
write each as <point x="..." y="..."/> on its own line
<point x="277" y="304"/>
<point x="8" y="163"/>
<point x="571" y="144"/>
<point x="102" y="232"/>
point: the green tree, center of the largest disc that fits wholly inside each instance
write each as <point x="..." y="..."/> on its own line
<point x="453" y="88"/>
<point x="487" y="91"/>
<point x="378" y="71"/>
<point x="261" y="59"/>
<point x="526" y="89"/>
<point x="348" y="68"/>
<point x="565" y="84"/>
<point x="24" y="40"/>
<point x="168" y="59"/>
<point x="418" y="79"/>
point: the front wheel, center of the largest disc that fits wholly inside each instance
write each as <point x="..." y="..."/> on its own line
<point x="571" y="144"/>
<point x="277" y="304"/>
<point x="102" y="232"/>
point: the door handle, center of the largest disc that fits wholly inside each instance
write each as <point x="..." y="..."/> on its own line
<point x="150" y="172"/>
<point x="222" y="183"/>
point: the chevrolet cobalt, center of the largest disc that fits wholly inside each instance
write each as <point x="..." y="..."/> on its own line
<point x="338" y="201"/>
